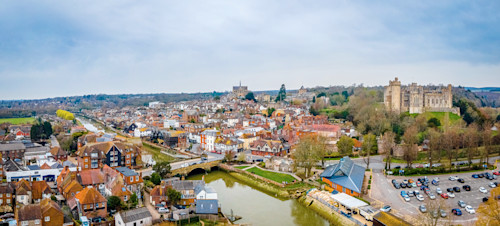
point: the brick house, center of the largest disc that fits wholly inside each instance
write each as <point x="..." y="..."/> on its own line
<point x="51" y="213"/>
<point x="112" y="153"/>
<point x="29" y="215"/>
<point x="267" y="147"/>
<point x="59" y="154"/>
<point x="90" y="203"/>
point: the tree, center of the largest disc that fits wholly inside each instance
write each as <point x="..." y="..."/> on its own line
<point x="242" y="157"/>
<point x="281" y="94"/>
<point x="410" y="147"/>
<point x="489" y="211"/>
<point x="344" y="145"/>
<point x="133" y="201"/>
<point x="173" y="196"/>
<point x="114" y="203"/>
<point x="309" y="150"/>
<point x="270" y="111"/>
<point x="487" y="141"/>
<point x="250" y="96"/>
<point x="47" y="129"/>
<point x="162" y="168"/>
<point x="434" y="206"/>
<point x="434" y="138"/>
<point x="433" y="122"/>
<point x="448" y="139"/>
<point x="229" y="155"/>
<point x="388" y="146"/>
<point x="156" y="178"/>
<point x="471" y="139"/>
<point x="369" y="140"/>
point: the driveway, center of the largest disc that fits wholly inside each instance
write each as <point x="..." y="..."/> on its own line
<point x="151" y="208"/>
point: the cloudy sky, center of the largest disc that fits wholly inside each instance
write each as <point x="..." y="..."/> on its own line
<point x="66" y="48"/>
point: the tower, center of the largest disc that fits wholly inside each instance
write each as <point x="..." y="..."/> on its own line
<point x="392" y="95"/>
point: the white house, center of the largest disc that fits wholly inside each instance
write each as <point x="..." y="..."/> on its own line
<point x="142" y="132"/>
<point x="171" y="123"/>
<point x="134" y="217"/>
<point x="205" y="192"/>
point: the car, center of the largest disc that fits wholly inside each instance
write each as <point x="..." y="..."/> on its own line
<point x="406" y="198"/>
<point x="163" y="210"/>
<point x="435" y="182"/>
<point x="423" y="187"/>
<point x="397" y="167"/>
<point x="451" y="194"/>
<point x="466" y="187"/>
<point x="453" y="178"/>
<point x="427" y="190"/>
<point x="394" y="181"/>
<point x="420" y="198"/>
<point x="438" y="191"/>
<point x="492" y="185"/>
<point x="443" y="213"/>
<point x="419" y="183"/>
<point x="403" y="193"/>
<point x="386" y="209"/>
<point x="409" y="181"/>
<point x="396" y="185"/>
<point x="496" y="173"/>
<point x="414" y="184"/>
<point x="482" y="190"/>
<point x="461" y="180"/>
<point x="416" y="192"/>
<point x="495" y="183"/>
<point x="456" y="189"/>
<point x="431" y="196"/>
<point x="449" y="189"/>
<point x="422" y="208"/>
<point x="403" y="185"/>
<point x="485" y="199"/>
<point x="411" y="194"/>
<point x="469" y="209"/>
<point x="480" y="175"/>
<point x="475" y="176"/>
<point x="445" y="196"/>
<point x="457" y="212"/>
<point x="461" y="203"/>
<point x="434" y="214"/>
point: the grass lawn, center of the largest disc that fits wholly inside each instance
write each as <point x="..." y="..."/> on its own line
<point x="157" y="155"/>
<point x="440" y="115"/>
<point x="241" y="167"/>
<point x="278" y="177"/>
<point x="16" y="121"/>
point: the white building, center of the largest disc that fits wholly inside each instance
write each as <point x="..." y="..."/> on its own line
<point x="134" y="217"/>
<point x="171" y="123"/>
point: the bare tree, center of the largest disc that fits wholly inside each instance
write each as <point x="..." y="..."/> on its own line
<point x="368" y="141"/>
<point x="487" y="139"/>
<point x="309" y="151"/>
<point x="388" y="145"/>
<point x="434" y="145"/>
<point x="432" y="216"/>
<point x="448" y="138"/>
<point x="410" y="147"/>
<point x="471" y="142"/>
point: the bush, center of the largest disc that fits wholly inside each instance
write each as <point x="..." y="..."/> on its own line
<point x="369" y="181"/>
<point x="262" y="164"/>
<point x="369" y="186"/>
<point x="146" y="178"/>
<point x="370" y="177"/>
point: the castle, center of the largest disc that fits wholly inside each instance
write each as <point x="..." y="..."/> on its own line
<point x="418" y="99"/>
<point x="240" y="91"/>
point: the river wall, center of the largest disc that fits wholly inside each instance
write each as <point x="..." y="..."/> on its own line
<point x="329" y="214"/>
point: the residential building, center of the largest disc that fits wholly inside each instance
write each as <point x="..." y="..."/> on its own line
<point x="268" y="147"/>
<point x="89" y="203"/>
<point x="134" y="217"/>
<point x="29" y="215"/>
<point x="51" y="213"/>
<point x="132" y="179"/>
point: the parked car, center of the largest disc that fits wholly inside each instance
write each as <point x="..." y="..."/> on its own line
<point x="480" y="175"/>
<point x="394" y="181"/>
<point x="438" y="191"/>
<point x="482" y="190"/>
<point x="461" y="180"/>
<point x="492" y="185"/>
<point x="419" y="183"/>
<point x="461" y="203"/>
<point x="409" y="181"/>
<point x="420" y="197"/>
<point x="466" y="187"/>
<point x="485" y="199"/>
<point x="431" y="195"/>
<point x="456" y="189"/>
<point x="445" y="196"/>
<point x="403" y="185"/>
<point x="403" y="193"/>
<point x="469" y="209"/>
<point x="453" y="178"/>
<point x="422" y="208"/>
<point x="386" y="209"/>
<point x="411" y="194"/>
<point x="406" y="198"/>
<point x="443" y="213"/>
<point x="435" y="182"/>
<point x="449" y="189"/>
<point x="414" y="184"/>
<point x="163" y="210"/>
<point x="496" y="173"/>
<point x="434" y="214"/>
<point x="475" y="176"/>
<point x="457" y="212"/>
<point x="451" y="195"/>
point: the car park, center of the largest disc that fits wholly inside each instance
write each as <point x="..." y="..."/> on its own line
<point x="438" y="191"/>
<point x="482" y="190"/>
<point x="469" y="209"/>
<point x="461" y="203"/>
<point x="444" y="195"/>
<point x="457" y="212"/>
<point x="443" y="213"/>
<point x="422" y="208"/>
<point x="466" y="187"/>
<point x="386" y="208"/>
<point x="451" y="194"/>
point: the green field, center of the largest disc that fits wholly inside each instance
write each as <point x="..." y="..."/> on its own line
<point x="278" y="177"/>
<point x="17" y="121"/>
<point x="241" y="167"/>
<point x="157" y="155"/>
<point x="440" y="115"/>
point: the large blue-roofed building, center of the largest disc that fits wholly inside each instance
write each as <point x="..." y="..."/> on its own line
<point x="345" y="177"/>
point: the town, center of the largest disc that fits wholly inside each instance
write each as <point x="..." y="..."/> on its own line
<point x="396" y="155"/>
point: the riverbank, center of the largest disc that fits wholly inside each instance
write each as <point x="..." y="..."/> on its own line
<point x="329" y="214"/>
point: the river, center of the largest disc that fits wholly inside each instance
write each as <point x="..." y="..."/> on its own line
<point x="256" y="207"/>
<point x="89" y="126"/>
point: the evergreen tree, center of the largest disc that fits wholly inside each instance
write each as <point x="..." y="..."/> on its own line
<point x="250" y="96"/>
<point x="282" y="93"/>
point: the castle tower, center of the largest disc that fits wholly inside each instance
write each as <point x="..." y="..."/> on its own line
<point x="392" y="95"/>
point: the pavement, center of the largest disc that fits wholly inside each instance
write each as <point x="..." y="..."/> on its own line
<point x="151" y="208"/>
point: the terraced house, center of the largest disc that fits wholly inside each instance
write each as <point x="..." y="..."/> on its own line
<point x="267" y="147"/>
<point x="113" y="154"/>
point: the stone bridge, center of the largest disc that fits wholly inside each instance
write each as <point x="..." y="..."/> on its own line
<point x="207" y="166"/>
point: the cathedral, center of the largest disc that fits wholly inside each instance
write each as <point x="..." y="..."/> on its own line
<point x="418" y="99"/>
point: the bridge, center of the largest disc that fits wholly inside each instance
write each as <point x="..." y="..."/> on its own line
<point x="206" y="166"/>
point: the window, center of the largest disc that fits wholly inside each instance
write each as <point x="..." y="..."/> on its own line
<point x="91" y="206"/>
<point x="8" y="194"/>
<point x="1" y="195"/>
<point x="24" y="223"/>
<point x="131" y="179"/>
<point x="97" y="205"/>
<point x="86" y="166"/>
<point x="125" y="198"/>
<point x="93" y="155"/>
<point x="8" y="201"/>
<point x="37" y="221"/>
<point x="1" y="201"/>
<point x="136" y="178"/>
<point x="22" y="197"/>
<point x="47" y="218"/>
<point x="86" y="160"/>
<point x="128" y="161"/>
<point x="351" y="192"/>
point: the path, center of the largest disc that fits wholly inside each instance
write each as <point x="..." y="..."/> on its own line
<point x="291" y="174"/>
<point x="151" y="208"/>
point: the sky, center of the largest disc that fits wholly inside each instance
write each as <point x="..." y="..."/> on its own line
<point x="68" y="48"/>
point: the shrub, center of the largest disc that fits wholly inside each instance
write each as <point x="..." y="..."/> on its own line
<point x="369" y="186"/>
<point x="369" y="181"/>
<point x="146" y="178"/>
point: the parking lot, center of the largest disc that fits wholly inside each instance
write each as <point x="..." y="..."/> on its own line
<point x="473" y="197"/>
